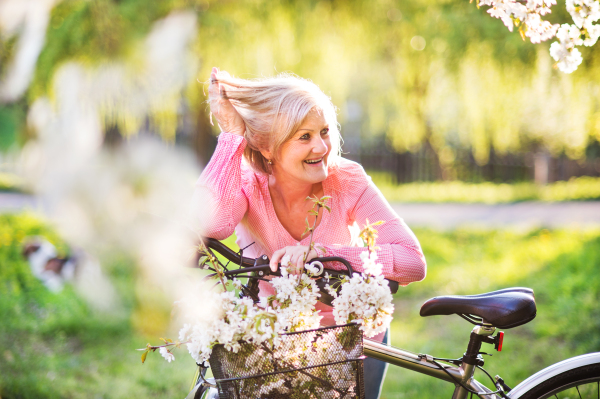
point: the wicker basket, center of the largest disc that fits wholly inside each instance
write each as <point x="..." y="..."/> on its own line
<point x="322" y="363"/>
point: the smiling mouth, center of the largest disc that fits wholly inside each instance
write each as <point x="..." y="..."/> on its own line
<point x="313" y="161"/>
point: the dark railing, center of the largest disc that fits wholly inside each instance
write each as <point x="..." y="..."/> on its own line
<point x="424" y="165"/>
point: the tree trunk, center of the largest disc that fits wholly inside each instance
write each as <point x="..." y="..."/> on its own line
<point x="541" y="167"/>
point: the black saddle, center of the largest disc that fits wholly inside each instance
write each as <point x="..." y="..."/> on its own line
<point x="507" y="308"/>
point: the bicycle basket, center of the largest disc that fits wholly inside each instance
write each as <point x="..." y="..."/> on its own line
<point x="321" y="363"/>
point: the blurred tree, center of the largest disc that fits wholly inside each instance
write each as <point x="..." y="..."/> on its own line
<point x="440" y="74"/>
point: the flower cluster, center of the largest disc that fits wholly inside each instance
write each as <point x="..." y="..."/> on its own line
<point x="527" y="15"/>
<point x="582" y="32"/>
<point x="365" y="298"/>
<point x="295" y="300"/>
<point x="229" y="321"/>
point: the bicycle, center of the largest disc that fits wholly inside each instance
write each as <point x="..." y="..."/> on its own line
<point x="502" y="309"/>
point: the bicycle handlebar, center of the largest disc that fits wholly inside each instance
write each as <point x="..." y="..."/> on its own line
<point x="259" y="268"/>
<point x="257" y="265"/>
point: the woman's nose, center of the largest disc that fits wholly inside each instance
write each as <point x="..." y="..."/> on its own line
<point x="321" y="146"/>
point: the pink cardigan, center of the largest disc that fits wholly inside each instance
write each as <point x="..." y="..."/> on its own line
<point x="243" y="203"/>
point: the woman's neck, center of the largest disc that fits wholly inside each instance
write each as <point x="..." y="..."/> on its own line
<point x="292" y="193"/>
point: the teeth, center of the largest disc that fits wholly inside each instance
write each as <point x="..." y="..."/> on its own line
<point x="313" y="161"/>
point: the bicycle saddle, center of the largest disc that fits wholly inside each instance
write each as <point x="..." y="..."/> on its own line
<point x="507" y="308"/>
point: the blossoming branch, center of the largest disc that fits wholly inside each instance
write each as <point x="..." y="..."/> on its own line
<point x="527" y="17"/>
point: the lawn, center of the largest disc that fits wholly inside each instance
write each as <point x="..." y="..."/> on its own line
<point x="562" y="268"/>
<point x="54" y="345"/>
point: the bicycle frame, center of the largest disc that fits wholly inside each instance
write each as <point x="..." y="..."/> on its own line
<point x="424" y="364"/>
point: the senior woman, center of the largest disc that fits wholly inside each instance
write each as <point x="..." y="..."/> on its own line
<point x="280" y="144"/>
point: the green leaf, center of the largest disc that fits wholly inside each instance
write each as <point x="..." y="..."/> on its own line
<point x="144" y="356"/>
<point x="328" y="208"/>
<point x="202" y="261"/>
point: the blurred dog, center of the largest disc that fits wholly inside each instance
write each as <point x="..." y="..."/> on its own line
<point x="79" y="269"/>
<point x="51" y="270"/>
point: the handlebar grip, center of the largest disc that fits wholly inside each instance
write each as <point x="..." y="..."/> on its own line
<point x="227" y="253"/>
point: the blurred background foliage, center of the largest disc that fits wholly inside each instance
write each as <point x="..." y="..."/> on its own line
<point x="427" y="90"/>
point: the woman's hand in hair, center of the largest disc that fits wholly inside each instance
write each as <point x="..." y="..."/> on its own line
<point x="292" y="257"/>
<point x="228" y="118"/>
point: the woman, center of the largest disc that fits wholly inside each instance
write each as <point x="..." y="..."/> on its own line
<point x="279" y="145"/>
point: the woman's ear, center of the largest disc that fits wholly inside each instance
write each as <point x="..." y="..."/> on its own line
<point x="267" y="154"/>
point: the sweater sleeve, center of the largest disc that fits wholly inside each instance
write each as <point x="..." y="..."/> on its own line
<point x="222" y="190"/>
<point x="399" y="250"/>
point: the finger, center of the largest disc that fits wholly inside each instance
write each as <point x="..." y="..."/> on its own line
<point x="311" y="255"/>
<point x="213" y="87"/>
<point x="300" y="262"/>
<point x="277" y="255"/>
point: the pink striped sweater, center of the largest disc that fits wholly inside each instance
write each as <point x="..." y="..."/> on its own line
<point x="243" y="203"/>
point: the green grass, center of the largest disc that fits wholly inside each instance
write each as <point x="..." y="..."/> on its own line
<point x="11" y="182"/>
<point x="54" y="345"/>
<point x="561" y="266"/>
<point x="577" y="189"/>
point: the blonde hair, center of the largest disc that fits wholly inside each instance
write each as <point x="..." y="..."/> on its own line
<point x="273" y="109"/>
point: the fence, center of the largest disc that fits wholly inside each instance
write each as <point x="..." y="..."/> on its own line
<point x="424" y="165"/>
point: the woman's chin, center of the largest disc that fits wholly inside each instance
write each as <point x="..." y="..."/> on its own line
<point x="317" y="175"/>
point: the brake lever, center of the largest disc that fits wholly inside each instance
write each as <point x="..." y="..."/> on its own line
<point x="262" y="271"/>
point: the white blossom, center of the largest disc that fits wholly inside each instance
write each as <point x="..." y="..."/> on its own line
<point x="285" y="261"/>
<point x="583" y="11"/>
<point x="365" y="298"/>
<point x="539" y="30"/>
<point x="312" y="269"/>
<point x="591" y="33"/>
<point x="564" y="52"/>
<point x="169" y="357"/>
<point x="513" y="13"/>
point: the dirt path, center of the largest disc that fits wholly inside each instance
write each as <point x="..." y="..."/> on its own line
<point x="522" y="215"/>
<point x="14" y="202"/>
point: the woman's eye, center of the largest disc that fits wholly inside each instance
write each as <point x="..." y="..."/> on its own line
<point x="305" y="136"/>
<point x="325" y="131"/>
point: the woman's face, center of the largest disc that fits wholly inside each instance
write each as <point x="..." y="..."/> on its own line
<point x="303" y="158"/>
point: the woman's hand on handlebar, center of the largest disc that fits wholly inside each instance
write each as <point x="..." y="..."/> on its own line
<point x="228" y="118"/>
<point x="295" y="254"/>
